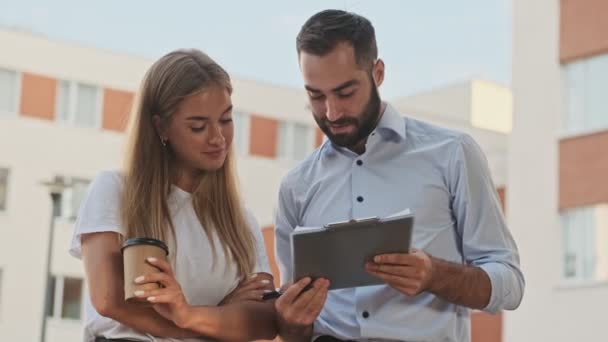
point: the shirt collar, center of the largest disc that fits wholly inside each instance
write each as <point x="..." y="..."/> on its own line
<point x="392" y="121"/>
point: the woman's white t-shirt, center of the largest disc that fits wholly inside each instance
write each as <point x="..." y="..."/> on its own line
<point x="204" y="279"/>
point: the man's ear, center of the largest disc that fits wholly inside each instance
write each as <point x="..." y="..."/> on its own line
<point x="378" y="72"/>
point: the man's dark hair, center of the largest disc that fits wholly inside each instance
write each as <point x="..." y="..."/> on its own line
<point x="326" y="29"/>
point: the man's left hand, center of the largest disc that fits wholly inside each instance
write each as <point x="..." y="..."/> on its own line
<point x="409" y="273"/>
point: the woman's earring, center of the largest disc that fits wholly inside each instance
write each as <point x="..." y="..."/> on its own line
<point x="163" y="141"/>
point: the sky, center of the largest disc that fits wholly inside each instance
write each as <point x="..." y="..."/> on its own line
<point x="424" y="43"/>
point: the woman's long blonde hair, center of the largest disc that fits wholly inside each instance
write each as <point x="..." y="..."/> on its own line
<point x="148" y="172"/>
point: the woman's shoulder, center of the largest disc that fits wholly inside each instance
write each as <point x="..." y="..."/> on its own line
<point x="108" y="178"/>
<point x="106" y="183"/>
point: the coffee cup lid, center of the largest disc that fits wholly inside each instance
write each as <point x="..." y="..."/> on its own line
<point x="144" y="241"/>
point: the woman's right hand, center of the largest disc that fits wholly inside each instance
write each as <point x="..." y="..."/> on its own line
<point x="169" y="301"/>
<point x="252" y="289"/>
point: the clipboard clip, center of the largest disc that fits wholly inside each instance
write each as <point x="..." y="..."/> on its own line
<point x="351" y="223"/>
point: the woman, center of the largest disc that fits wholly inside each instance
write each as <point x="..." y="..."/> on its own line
<point x="178" y="186"/>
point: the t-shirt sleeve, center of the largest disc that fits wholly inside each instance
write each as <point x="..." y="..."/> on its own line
<point x="261" y="263"/>
<point x="100" y="209"/>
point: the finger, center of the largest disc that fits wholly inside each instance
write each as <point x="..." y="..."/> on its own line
<point x="284" y="287"/>
<point x="316" y="303"/>
<point x="162" y="265"/>
<point x="396" y="281"/>
<point x="292" y="292"/>
<point x="256" y="285"/>
<point x="158" y="277"/>
<point x="251" y="295"/>
<point x="402" y="271"/>
<point x="395" y="259"/>
<point x="156" y="292"/>
<point x="306" y="297"/>
<point x="162" y="299"/>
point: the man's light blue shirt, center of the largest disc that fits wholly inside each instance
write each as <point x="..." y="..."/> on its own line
<point x="443" y="178"/>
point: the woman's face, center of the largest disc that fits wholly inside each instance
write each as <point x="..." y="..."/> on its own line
<point x="200" y="132"/>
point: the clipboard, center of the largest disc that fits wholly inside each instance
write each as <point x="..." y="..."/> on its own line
<point x="338" y="251"/>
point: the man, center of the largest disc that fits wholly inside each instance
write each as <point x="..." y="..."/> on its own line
<point x="377" y="163"/>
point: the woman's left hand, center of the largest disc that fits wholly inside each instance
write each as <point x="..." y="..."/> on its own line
<point x="252" y="289"/>
<point x="169" y="300"/>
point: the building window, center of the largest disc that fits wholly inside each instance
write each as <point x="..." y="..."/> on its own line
<point x="72" y="197"/>
<point x="3" y="188"/>
<point x="79" y="104"/>
<point x="584" y="85"/>
<point x="241" y="132"/>
<point x="585" y="244"/>
<point x="65" y="298"/>
<point x="9" y="88"/>
<point x="296" y="141"/>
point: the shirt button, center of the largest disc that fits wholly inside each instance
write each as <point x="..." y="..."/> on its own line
<point x="360" y="199"/>
<point x="359" y="162"/>
<point x="365" y="314"/>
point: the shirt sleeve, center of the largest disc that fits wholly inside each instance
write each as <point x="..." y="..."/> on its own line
<point x="285" y="223"/>
<point x="486" y="240"/>
<point x="261" y="259"/>
<point x="99" y="211"/>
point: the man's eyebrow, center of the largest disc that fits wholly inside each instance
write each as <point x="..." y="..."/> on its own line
<point x="336" y="89"/>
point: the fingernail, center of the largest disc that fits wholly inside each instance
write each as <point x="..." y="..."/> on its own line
<point x="151" y="299"/>
<point x="265" y="281"/>
<point x="377" y="259"/>
<point x="139" y="279"/>
<point x="152" y="259"/>
<point x="138" y="293"/>
<point x="254" y="275"/>
<point x="267" y="291"/>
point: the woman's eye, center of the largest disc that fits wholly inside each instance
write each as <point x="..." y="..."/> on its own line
<point x="197" y="129"/>
<point x="226" y="121"/>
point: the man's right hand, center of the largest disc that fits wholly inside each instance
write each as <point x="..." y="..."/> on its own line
<point x="297" y="308"/>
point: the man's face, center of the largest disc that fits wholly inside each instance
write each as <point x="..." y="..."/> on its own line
<point x="343" y="97"/>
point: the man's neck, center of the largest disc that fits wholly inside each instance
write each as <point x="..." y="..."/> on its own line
<point x="359" y="148"/>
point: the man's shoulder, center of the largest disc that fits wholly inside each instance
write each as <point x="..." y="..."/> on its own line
<point x="304" y="170"/>
<point x="429" y="131"/>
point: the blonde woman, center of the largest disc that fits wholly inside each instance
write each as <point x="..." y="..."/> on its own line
<point x="178" y="186"/>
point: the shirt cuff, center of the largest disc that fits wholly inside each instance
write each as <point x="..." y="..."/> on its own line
<point x="500" y="286"/>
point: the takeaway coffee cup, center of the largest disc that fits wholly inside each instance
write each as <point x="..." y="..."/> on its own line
<point x="134" y="253"/>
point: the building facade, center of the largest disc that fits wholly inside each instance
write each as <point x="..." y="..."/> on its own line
<point x="558" y="163"/>
<point x="63" y="113"/>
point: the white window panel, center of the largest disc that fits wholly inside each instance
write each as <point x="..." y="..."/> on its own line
<point x="284" y="141"/>
<point x="87" y="104"/>
<point x="66" y="298"/>
<point x="241" y="132"/>
<point x="72" y="197"/>
<point x="302" y="141"/>
<point x="295" y="141"/>
<point x="584" y="84"/>
<point x="585" y="244"/>
<point x="9" y="89"/>
<point x="63" y="101"/>
<point x="596" y="91"/>
<point x="4" y="174"/>
<point x="573" y="97"/>
<point x="79" y="104"/>
<point x="71" y="301"/>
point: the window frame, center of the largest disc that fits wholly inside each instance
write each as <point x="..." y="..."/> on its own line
<point x="17" y="98"/>
<point x="72" y="104"/>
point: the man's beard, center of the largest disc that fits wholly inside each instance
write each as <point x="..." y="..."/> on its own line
<point x="364" y="123"/>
